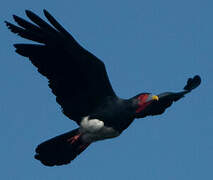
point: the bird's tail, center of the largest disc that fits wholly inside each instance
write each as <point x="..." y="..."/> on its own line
<point x="61" y="149"/>
<point x="192" y="83"/>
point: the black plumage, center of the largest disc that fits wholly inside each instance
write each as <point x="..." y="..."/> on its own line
<point x="81" y="85"/>
<point x="72" y="71"/>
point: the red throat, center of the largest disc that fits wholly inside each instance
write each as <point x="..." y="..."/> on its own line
<point x="142" y="102"/>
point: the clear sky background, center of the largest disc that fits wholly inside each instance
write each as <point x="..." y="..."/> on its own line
<point x="147" y="45"/>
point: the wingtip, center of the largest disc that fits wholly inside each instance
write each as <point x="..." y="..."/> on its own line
<point x="46" y="13"/>
<point x="193" y="83"/>
<point x="15" y="45"/>
<point x="6" y="22"/>
<point x="29" y="12"/>
<point x="198" y="78"/>
<point x="16" y="18"/>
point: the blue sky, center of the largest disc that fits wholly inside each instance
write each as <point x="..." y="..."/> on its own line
<point x="151" y="46"/>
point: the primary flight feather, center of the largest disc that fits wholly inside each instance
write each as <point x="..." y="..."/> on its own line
<point x="81" y="85"/>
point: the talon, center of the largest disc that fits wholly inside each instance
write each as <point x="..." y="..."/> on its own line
<point x="74" y="138"/>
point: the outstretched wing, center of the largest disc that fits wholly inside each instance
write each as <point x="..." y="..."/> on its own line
<point x="77" y="78"/>
<point x="166" y="99"/>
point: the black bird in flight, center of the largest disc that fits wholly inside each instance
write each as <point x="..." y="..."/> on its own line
<point x="80" y="83"/>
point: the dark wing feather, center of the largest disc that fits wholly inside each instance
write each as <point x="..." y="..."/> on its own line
<point x="166" y="99"/>
<point x="77" y="78"/>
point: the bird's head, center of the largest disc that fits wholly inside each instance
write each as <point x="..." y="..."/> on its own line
<point x="142" y="101"/>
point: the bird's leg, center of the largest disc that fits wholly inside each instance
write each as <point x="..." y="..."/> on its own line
<point x="74" y="138"/>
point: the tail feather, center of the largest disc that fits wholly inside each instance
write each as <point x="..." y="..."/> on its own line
<point x="192" y="83"/>
<point x="60" y="150"/>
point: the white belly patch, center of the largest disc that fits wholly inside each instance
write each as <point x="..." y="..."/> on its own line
<point x="94" y="130"/>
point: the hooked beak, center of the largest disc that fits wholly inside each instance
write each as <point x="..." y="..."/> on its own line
<point x="155" y="98"/>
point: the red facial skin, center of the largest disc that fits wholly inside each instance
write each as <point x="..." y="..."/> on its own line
<point x="142" y="104"/>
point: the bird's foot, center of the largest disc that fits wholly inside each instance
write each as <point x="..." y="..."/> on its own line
<point x="73" y="139"/>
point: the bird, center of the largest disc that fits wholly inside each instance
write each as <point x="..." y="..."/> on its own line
<point x="82" y="88"/>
